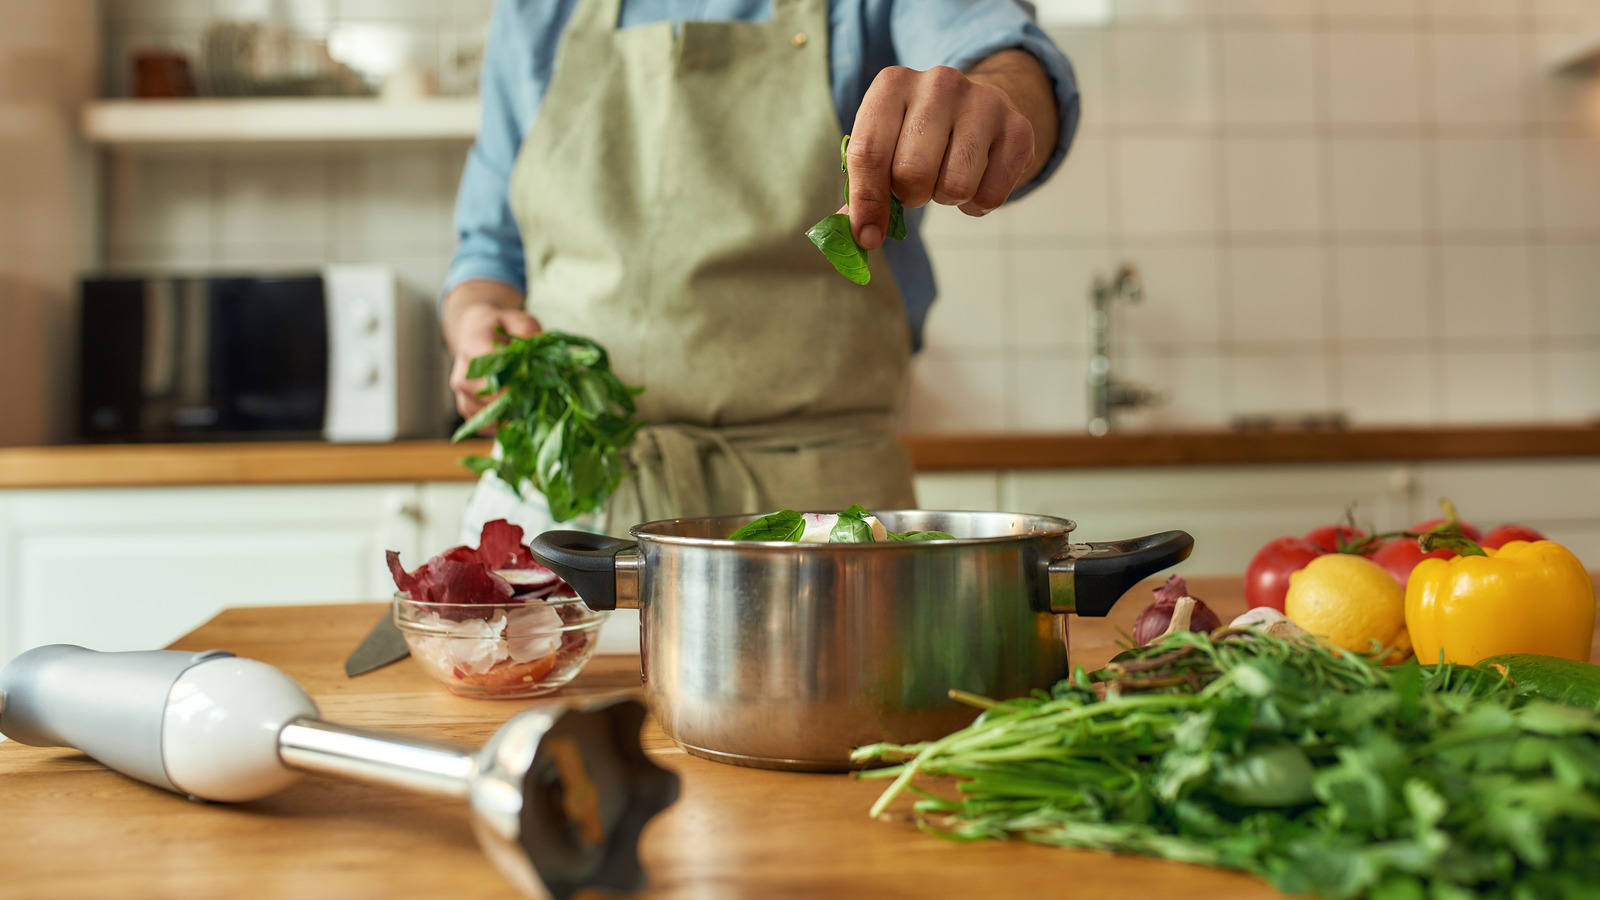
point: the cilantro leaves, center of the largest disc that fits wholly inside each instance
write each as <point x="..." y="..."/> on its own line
<point x="1325" y="774"/>
<point x="562" y="419"/>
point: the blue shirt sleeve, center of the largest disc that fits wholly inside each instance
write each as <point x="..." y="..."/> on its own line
<point x="489" y="244"/>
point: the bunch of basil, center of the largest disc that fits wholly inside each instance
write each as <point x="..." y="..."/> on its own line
<point x="562" y="420"/>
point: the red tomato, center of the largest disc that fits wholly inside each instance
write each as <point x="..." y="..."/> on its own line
<point x="1470" y="531"/>
<point x="1505" y="534"/>
<point x="1400" y="556"/>
<point x="1266" y="579"/>
<point x="1328" y="537"/>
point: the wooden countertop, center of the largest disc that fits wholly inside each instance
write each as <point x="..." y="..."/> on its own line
<point x="72" y="829"/>
<point x="413" y="461"/>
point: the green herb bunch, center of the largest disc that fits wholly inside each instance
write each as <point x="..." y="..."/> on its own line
<point x="1321" y="771"/>
<point x="833" y="236"/>
<point x="562" y="420"/>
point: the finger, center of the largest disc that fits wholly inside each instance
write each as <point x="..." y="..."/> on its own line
<point x="931" y="117"/>
<point x="872" y="151"/>
<point x="519" y="324"/>
<point x="1010" y="157"/>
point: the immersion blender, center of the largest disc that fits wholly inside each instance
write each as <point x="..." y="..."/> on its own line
<point x="558" y="795"/>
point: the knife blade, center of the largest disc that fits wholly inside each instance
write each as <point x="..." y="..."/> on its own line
<point x="383" y="645"/>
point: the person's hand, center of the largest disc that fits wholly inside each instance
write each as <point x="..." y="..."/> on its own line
<point x="472" y="322"/>
<point x="961" y="140"/>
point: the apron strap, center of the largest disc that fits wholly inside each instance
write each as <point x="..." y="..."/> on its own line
<point x="669" y="462"/>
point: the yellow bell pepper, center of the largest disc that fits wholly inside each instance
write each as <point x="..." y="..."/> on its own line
<point x="1522" y="598"/>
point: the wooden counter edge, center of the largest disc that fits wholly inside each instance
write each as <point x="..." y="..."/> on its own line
<point x="162" y="465"/>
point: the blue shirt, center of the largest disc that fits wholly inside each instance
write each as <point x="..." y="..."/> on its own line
<point x="865" y="37"/>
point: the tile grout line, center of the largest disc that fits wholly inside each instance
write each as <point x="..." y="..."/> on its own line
<point x="1321" y="85"/>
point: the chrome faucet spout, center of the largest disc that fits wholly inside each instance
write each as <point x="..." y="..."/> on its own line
<point x="1106" y="394"/>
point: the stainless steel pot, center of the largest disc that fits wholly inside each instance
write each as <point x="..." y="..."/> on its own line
<point x="787" y="655"/>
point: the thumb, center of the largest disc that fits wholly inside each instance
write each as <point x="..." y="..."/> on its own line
<point x="519" y="324"/>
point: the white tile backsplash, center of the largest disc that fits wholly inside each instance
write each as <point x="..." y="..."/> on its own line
<point x="1166" y="185"/>
<point x="1387" y="387"/>
<point x="1284" y="382"/>
<point x="1160" y="77"/>
<point x="1488" y="386"/>
<point x="1274" y="185"/>
<point x="1482" y="184"/>
<point x="1374" y="77"/>
<point x="1476" y="77"/>
<point x="1383" y="206"/>
<point x="1052" y="295"/>
<point x="1268" y="77"/>
<point x="1276" y="294"/>
<point x="1569" y="188"/>
<point x="1575" y="383"/>
<point x="1377" y="184"/>
<point x="1572" y="289"/>
<point x="971" y="279"/>
<point x="1485" y="291"/>
<point x="1381" y="294"/>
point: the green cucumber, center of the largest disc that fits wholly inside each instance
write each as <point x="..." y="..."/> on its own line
<point x="1552" y="678"/>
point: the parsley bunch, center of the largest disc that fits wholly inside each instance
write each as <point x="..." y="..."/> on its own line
<point x="1325" y="773"/>
<point x="562" y="420"/>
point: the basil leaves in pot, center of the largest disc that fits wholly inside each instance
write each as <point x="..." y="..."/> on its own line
<point x="562" y="420"/>
<point x="833" y="236"/>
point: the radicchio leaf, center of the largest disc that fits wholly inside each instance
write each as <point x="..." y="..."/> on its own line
<point x="469" y="576"/>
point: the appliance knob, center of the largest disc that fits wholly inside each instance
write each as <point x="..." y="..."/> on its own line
<point x="364" y="316"/>
<point x="363" y="371"/>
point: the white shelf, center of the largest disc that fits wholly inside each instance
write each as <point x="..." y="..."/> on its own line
<point x="291" y="120"/>
<point x="1581" y="54"/>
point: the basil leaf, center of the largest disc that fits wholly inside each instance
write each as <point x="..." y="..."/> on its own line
<point x="851" y="528"/>
<point x="897" y="219"/>
<point x="489" y="364"/>
<point x="832" y="236"/>
<point x="485" y="417"/>
<point x="783" y="525"/>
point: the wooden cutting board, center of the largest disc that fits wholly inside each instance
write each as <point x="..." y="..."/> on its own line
<point x="71" y="829"/>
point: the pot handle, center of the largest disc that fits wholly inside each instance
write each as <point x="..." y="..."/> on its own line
<point x="1089" y="578"/>
<point x="589" y="563"/>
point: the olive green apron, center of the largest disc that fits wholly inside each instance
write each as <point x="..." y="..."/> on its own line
<point x="663" y="195"/>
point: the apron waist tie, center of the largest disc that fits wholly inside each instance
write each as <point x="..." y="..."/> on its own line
<point x="671" y="461"/>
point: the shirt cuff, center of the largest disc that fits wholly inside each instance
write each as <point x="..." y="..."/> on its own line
<point x="1062" y="81"/>
<point x="468" y="268"/>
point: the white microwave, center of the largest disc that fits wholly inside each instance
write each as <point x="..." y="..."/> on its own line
<point x="343" y="354"/>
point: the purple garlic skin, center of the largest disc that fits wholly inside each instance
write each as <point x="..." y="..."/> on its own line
<point x="1155" y="618"/>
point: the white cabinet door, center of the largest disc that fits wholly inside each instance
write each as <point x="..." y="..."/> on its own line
<point x="135" y="568"/>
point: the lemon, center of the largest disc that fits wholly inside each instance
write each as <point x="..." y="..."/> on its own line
<point x="1349" y="601"/>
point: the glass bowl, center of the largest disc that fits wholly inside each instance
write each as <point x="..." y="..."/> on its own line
<point x="501" y="651"/>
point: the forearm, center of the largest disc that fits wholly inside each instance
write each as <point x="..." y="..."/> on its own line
<point x="1024" y="81"/>
<point x="471" y="302"/>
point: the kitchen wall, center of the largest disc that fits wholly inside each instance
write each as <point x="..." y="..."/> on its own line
<point x="1383" y="207"/>
<point x="1389" y="208"/>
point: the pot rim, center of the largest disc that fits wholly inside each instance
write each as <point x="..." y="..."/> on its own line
<point x="640" y="532"/>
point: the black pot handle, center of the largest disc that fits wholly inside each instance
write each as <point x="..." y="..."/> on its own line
<point x="1089" y="578"/>
<point x="586" y="561"/>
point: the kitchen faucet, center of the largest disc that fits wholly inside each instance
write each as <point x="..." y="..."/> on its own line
<point x="1106" y="394"/>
